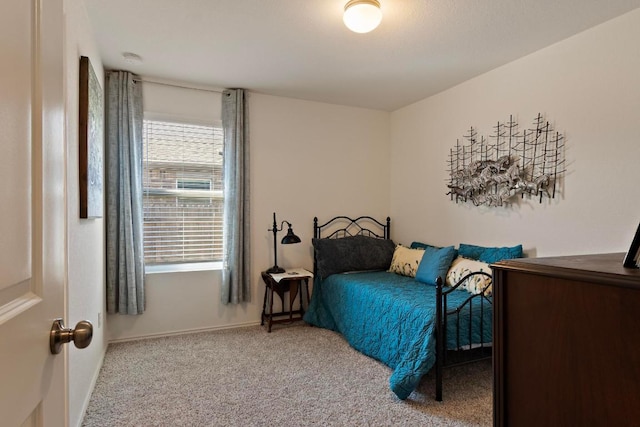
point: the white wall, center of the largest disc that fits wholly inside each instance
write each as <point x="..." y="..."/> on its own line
<point x="589" y="87"/>
<point x="85" y="237"/>
<point x="307" y="159"/>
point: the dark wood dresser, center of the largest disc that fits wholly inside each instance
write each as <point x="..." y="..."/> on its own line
<point x="566" y="335"/>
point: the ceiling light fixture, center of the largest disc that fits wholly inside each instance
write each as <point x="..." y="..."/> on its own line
<point x="362" y="16"/>
<point x="131" y="58"/>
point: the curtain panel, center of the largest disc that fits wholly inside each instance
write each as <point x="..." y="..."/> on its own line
<point x="236" y="272"/>
<point x="124" y="215"/>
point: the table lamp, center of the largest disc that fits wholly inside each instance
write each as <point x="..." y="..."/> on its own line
<point x="286" y="240"/>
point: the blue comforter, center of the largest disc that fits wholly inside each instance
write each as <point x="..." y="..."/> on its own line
<point x="392" y="319"/>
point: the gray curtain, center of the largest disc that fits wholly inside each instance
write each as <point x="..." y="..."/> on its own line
<point x="236" y="272"/>
<point x="125" y="259"/>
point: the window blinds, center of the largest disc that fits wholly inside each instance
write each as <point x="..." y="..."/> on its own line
<point x="183" y="194"/>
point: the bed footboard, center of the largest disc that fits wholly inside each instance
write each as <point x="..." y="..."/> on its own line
<point x="481" y="350"/>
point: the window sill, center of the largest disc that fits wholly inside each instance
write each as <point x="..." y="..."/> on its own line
<point x="178" y="268"/>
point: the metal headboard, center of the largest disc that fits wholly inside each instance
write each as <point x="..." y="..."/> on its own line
<point x="344" y="226"/>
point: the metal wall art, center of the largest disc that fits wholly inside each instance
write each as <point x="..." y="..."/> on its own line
<point x="511" y="164"/>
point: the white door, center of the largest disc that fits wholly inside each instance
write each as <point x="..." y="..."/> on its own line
<point x="32" y="211"/>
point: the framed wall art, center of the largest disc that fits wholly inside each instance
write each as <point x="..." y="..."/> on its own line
<point x="91" y="141"/>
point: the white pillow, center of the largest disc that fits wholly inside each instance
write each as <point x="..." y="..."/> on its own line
<point x="406" y="261"/>
<point x="474" y="284"/>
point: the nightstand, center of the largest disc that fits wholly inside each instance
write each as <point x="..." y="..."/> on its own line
<point x="292" y="281"/>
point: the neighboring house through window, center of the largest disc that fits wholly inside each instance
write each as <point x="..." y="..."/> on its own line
<point x="183" y="194"/>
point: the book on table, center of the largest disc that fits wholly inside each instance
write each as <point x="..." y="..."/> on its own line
<point x="292" y="273"/>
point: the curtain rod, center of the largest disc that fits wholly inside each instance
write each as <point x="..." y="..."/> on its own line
<point x="140" y="79"/>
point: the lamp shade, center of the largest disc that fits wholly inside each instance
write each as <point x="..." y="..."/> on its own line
<point x="290" y="238"/>
<point x="362" y="16"/>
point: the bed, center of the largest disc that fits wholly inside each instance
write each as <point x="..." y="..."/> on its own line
<point x="405" y="323"/>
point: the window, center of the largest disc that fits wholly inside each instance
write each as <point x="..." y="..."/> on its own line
<point x="183" y="197"/>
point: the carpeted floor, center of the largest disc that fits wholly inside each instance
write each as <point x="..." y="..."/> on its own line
<point x="295" y="376"/>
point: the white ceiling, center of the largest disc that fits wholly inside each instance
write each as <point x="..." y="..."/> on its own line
<point x="301" y="48"/>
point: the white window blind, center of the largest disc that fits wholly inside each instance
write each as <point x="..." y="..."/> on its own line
<point x="183" y="194"/>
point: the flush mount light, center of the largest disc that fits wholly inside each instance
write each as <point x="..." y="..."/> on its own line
<point x="131" y="58"/>
<point x="362" y="16"/>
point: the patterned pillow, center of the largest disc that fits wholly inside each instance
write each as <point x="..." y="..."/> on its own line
<point x="406" y="261"/>
<point x="474" y="284"/>
<point x="353" y="253"/>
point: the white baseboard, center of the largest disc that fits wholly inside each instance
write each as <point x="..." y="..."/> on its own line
<point x="94" y="380"/>
<point x="185" y="331"/>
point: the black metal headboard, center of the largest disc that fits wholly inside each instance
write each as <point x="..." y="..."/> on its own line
<point x="343" y="226"/>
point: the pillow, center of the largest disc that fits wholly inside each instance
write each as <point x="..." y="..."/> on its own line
<point x="474" y="284"/>
<point x="489" y="255"/>
<point x="405" y="261"/>
<point x="353" y="253"/>
<point x="435" y="262"/>
<point x="420" y="245"/>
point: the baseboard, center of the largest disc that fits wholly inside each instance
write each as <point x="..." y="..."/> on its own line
<point x="94" y="380"/>
<point x="185" y="331"/>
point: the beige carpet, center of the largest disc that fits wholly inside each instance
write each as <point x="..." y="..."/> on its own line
<point x="296" y="376"/>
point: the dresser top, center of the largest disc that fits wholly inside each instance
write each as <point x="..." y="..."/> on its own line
<point x="598" y="268"/>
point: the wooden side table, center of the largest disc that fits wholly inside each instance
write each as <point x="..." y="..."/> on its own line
<point x="293" y="285"/>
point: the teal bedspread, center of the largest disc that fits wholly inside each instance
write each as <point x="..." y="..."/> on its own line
<point x="392" y="319"/>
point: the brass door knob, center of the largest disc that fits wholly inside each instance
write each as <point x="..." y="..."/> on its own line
<point x="81" y="335"/>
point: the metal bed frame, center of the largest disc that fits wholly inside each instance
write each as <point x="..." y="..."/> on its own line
<point x="344" y="226"/>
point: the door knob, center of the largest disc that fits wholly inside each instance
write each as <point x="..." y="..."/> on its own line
<point x="81" y="335"/>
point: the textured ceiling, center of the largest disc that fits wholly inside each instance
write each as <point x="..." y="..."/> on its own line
<point x="301" y="48"/>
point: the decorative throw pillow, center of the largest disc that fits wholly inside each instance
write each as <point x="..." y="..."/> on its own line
<point x="435" y="263"/>
<point x="406" y="261"/>
<point x="474" y="284"/>
<point x="420" y="245"/>
<point x="353" y="253"/>
<point x="488" y="254"/>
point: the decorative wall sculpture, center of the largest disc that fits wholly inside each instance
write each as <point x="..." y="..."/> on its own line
<point x="510" y="164"/>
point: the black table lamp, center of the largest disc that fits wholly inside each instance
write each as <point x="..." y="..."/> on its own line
<point x="286" y="240"/>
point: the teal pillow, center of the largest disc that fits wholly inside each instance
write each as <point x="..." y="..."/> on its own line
<point x="489" y="255"/>
<point x="435" y="262"/>
<point x="420" y="245"/>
